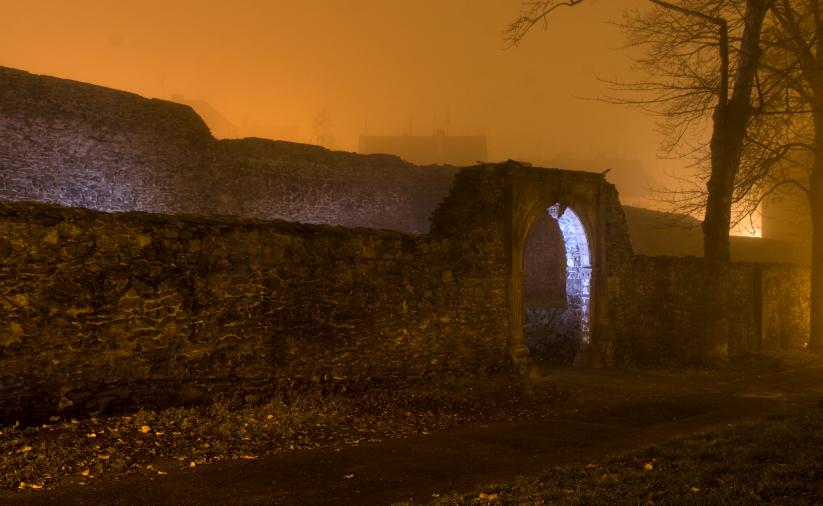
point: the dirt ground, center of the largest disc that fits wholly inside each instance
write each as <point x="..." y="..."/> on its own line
<point x="615" y="411"/>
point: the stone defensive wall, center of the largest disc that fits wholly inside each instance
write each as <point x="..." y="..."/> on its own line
<point x="104" y="311"/>
<point x="656" y="309"/>
<point x="145" y="263"/>
<point x="81" y="145"/>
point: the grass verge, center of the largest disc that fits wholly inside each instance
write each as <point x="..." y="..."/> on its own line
<point x="774" y="461"/>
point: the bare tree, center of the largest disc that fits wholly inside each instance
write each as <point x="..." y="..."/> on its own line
<point x="703" y="58"/>
<point x="800" y="39"/>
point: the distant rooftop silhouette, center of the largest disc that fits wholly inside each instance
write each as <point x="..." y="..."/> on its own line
<point x="429" y="149"/>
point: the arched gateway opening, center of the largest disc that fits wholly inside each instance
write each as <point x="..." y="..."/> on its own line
<point x="557" y="286"/>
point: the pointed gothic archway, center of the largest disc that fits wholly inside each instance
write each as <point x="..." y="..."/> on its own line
<point x="593" y="248"/>
<point x="506" y="201"/>
<point x="556" y="286"/>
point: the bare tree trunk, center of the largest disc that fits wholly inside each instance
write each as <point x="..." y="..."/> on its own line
<point x="714" y="328"/>
<point x="731" y="118"/>
<point x="816" y="208"/>
<point x="815" y="76"/>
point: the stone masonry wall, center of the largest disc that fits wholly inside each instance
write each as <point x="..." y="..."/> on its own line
<point x="160" y="309"/>
<point x="785" y="317"/>
<point x="81" y="145"/>
<point x="259" y="178"/>
<point x="655" y="309"/>
<point x="101" y="311"/>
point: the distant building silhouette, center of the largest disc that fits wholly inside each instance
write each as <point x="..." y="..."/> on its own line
<point x="429" y="149"/>
<point x="657" y="233"/>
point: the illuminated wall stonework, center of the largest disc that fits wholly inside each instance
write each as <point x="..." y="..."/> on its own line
<point x="578" y="268"/>
<point x="81" y="145"/>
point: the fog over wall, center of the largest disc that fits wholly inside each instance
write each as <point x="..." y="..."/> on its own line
<point x="328" y="71"/>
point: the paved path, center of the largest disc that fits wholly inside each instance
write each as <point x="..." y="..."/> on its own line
<point x="626" y="412"/>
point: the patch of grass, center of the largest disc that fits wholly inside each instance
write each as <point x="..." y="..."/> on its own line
<point x="774" y="461"/>
<point x="775" y="361"/>
<point x="76" y="451"/>
<point x="740" y="366"/>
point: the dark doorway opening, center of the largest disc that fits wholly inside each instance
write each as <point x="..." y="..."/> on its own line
<point x="556" y="287"/>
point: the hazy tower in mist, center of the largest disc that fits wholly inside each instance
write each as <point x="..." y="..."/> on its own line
<point x="439" y="148"/>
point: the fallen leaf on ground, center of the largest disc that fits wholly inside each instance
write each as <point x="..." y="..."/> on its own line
<point x="145" y="429"/>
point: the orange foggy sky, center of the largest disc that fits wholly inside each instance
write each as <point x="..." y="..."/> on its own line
<point x="373" y="66"/>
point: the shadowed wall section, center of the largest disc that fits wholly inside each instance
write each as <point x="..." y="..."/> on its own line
<point x="544" y="294"/>
<point x="101" y="311"/>
<point x="656" y="309"/>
